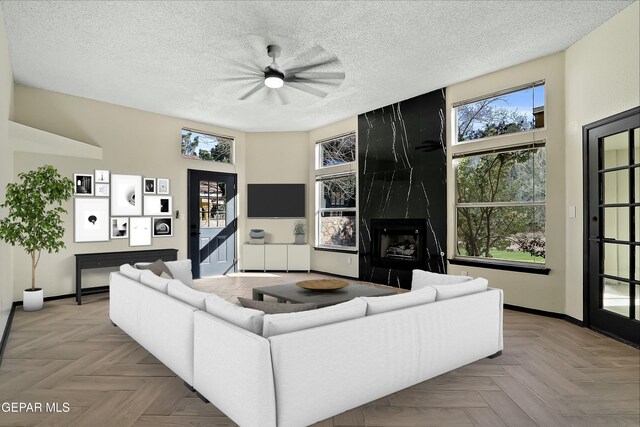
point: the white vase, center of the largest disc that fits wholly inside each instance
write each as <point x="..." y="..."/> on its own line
<point x="299" y="239"/>
<point x="32" y="300"/>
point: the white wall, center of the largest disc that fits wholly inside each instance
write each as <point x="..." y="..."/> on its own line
<point x="601" y="79"/>
<point x="6" y="168"/>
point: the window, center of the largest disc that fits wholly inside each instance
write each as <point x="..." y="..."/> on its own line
<point x="336" y="192"/>
<point x="198" y="145"/>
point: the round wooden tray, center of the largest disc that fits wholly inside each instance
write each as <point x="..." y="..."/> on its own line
<point x="323" y="284"/>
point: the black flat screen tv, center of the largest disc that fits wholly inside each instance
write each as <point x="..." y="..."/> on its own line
<point x="275" y="201"/>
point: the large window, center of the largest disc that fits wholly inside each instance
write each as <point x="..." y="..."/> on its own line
<point x="198" y="145"/>
<point x="336" y="193"/>
<point x="501" y="189"/>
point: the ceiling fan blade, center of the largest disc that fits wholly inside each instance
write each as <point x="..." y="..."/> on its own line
<point x="319" y="75"/>
<point x="252" y="91"/>
<point x="306" y="88"/>
<point x="233" y="79"/>
<point x="306" y="56"/>
<point x="283" y="98"/>
<point x="254" y="70"/>
<point x="310" y="66"/>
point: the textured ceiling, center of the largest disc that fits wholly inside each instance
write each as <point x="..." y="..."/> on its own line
<point x="172" y="57"/>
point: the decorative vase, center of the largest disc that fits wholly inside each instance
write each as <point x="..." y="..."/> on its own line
<point x="256" y="233"/>
<point x="32" y="299"/>
<point x="299" y="239"/>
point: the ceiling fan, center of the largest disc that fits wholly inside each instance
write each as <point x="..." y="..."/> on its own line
<point x="277" y="78"/>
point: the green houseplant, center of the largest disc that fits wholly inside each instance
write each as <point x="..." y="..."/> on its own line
<point x="34" y="219"/>
<point x="299" y="229"/>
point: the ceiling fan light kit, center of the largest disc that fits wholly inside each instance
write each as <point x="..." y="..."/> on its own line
<point x="273" y="78"/>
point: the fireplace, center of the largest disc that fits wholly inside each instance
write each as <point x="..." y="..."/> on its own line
<point x="398" y="243"/>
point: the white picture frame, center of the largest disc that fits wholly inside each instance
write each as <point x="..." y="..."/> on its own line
<point x="119" y="227"/>
<point x="149" y="186"/>
<point x="126" y="195"/>
<point x="162" y="186"/>
<point x="91" y="220"/>
<point x="162" y="226"/>
<point x="102" y="189"/>
<point x="158" y="205"/>
<point x="83" y="184"/>
<point x="102" y="175"/>
<point x="140" y="231"/>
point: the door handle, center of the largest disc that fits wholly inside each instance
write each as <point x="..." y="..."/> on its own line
<point x="195" y="233"/>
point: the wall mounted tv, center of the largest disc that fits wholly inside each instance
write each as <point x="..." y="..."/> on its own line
<point x="275" y="201"/>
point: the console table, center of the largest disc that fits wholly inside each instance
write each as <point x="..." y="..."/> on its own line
<point x="115" y="259"/>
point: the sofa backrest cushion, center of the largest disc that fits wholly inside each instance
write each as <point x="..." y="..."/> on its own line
<point x="276" y="324"/>
<point x="153" y="281"/>
<point x="181" y="270"/>
<point x="182" y="292"/>
<point x="246" y="318"/>
<point x="422" y="278"/>
<point x="376" y="305"/>
<point x="130" y="272"/>
<point x="443" y="292"/>
<point x="157" y="267"/>
<point x="276" y="307"/>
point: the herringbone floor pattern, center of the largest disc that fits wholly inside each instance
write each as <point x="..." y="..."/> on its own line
<point x="551" y="373"/>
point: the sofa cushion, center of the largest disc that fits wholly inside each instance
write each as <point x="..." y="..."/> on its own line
<point x="130" y="272"/>
<point x="246" y="318"/>
<point x="276" y="307"/>
<point x="376" y="305"/>
<point x="181" y="270"/>
<point x="459" y="289"/>
<point x="423" y="278"/>
<point x="276" y="324"/>
<point x="184" y="293"/>
<point x="153" y="281"/>
<point x="157" y="267"/>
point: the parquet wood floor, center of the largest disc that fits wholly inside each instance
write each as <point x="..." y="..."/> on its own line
<point x="552" y="373"/>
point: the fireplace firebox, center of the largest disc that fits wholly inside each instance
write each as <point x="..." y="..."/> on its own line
<point x="398" y="243"/>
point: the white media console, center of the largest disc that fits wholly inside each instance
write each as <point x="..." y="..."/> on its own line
<point x="276" y="256"/>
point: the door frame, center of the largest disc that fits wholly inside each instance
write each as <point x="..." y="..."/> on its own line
<point x="194" y="217"/>
<point x="587" y="191"/>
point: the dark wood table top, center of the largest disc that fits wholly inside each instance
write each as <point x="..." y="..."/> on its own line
<point x="296" y="294"/>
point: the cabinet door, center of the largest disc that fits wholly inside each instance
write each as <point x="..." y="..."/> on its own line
<point x="253" y="257"/>
<point x="299" y="257"/>
<point x="275" y="257"/>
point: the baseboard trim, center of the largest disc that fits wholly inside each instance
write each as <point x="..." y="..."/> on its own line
<point x="98" y="290"/>
<point x="334" y="275"/>
<point x="545" y="314"/>
<point x="7" y="329"/>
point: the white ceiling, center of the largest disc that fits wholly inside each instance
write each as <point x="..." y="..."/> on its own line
<point x="170" y="57"/>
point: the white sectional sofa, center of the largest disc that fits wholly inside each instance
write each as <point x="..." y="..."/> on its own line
<point x="295" y="369"/>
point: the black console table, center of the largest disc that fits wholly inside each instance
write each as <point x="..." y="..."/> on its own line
<point x="115" y="259"/>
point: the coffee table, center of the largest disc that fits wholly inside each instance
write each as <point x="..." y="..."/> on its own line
<point x="295" y="294"/>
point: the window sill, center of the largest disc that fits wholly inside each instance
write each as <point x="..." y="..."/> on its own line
<point x="496" y="265"/>
<point x="340" y="250"/>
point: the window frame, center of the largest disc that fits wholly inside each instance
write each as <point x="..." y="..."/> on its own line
<point x="318" y="154"/>
<point x="232" y="139"/>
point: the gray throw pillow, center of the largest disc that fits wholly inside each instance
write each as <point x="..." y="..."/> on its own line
<point x="276" y="307"/>
<point x="157" y="267"/>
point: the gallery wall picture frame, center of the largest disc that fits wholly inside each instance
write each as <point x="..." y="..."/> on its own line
<point x="83" y="184"/>
<point x="162" y="186"/>
<point x="140" y="231"/>
<point x="102" y="189"/>
<point x="119" y="227"/>
<point x="126" y="195"/>
<point x="149" y="186"/>
<point x="162" y="226"/>
<point x="91" y="220"/>
<point x="157" y="205"/>
<point x="102" y="175"/>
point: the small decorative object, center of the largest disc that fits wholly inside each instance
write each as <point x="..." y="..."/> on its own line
<point x="149" y="186"/>
<point x="162" y="227"/>
<point x="162" y="186"/>
<point x="39" y="195"/>
<point x="102" y="176"/>
<point x="102" y="190"/>
<point x="83" y="184"/>
<point x="323" y="284"/>
<point x="157" y="205"/>
<point x="126" y="195"/>
<point x="256" y="233"/>
<point x="119" y="228"/>
<point x="299" y="229"/>
<point x="91" y="220"/>
<point x="140" y="231"/>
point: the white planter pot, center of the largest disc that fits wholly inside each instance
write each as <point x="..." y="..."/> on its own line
<point x="32" y="300"/>
<point x="299" y="239"/>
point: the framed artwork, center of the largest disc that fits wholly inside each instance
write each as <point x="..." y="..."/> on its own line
<point x="157" y="205"/>
<point x="162" y="186"/>
<point x="102" y="175"/>
<point x="162" y="226"/>
<point x="102" y="190"/>
<point x="149" y="186"/>
<point x="126" y="195"/>
<point x="140" y="231"/>
<point x="119" y="228"/>
<point x="91" y="222"/>
<point x="83" y="184"/>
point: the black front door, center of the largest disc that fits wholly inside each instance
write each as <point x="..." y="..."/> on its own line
<point x="612" y="226"/>
<point x="212" y="222"/>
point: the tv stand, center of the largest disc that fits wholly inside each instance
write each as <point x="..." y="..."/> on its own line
<point x="276" y="257"/>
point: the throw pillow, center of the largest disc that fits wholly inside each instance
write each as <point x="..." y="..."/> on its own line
<point x="423" y="278"/>
<point x="181" y="270"/>
<point x="184" y="293"/>
<point x="457" y="290"/>
<point x="276" y="307"/>
<point x="376" y="305"/>
<point x="158" y="283"/>
<point x="276" y="324"/>
<point x="157" y="267"/>
<point x="130" y="272"/>
<point x="245" y="318"/>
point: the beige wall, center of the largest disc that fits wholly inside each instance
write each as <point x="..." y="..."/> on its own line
<point x="6" y="174"/>
<point x="133" y="142"/>
<point x="522" y="289"/>
<point x="602" y="79"/>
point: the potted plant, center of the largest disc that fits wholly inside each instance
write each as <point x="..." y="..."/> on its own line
<point x="34" y="220"/>
<point x="299" y="229"/>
